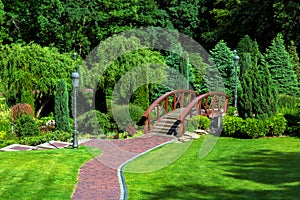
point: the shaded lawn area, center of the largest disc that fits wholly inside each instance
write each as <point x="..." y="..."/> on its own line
<point x="267" y="168"/>
<point x="41" y="174"/>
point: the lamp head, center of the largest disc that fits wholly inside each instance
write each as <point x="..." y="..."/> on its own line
<point x="236" y="58"/>
<point x="75" y="56"/>
<point x="75" y="78"/>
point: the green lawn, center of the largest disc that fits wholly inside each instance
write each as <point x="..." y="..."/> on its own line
<point x="41" y="174"/>
<point x="266" y="168"/>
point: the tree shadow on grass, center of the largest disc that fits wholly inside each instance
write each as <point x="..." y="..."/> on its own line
<point x="264" y="166"/>
<point x="203" y="192"/>
<point x="278" y="174"/>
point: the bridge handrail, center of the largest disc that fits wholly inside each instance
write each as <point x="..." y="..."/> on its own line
<point x="196" y="101"/>
<point x="164" y="97"/>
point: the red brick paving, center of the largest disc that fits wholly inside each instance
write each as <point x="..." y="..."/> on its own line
<point x="98" y="178"/>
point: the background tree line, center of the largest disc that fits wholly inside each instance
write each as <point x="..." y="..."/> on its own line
<point x="38" y="38"/>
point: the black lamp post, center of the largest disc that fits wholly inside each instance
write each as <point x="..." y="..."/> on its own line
<point x="75" y="82"/>
<point x="236" y="59"/>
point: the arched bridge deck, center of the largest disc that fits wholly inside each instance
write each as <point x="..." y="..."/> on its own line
<point x="170" y="113"/>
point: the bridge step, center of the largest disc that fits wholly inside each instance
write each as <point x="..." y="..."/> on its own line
<point x="168" y="124"/>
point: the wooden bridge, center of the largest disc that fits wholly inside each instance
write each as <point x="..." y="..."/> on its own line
<point x="170" y="113"/>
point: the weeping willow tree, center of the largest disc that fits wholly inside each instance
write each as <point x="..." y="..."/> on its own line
<point x="31" y="72"/>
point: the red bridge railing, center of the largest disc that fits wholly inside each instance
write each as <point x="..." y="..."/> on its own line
<point x="210" y="104"/>
<point x="167" y="102"/>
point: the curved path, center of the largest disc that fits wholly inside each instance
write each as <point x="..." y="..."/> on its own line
<point x="98" y="178"/>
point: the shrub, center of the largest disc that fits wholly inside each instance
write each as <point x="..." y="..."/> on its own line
<point x="4" y="143"/>
<point x="120" y="115"/>
<point x="248" y="128"/>
<point x="253" y="128"/>
<point x="94" y="122"/>
<point x="198" y="122"/>
<point x="232" y="126"/>
<point x="289" y="106"/>
<point x="2" y="135"/>
<point x="56" y="135"/>
<point x="26" y="126"/>
<point x="276" y="125"/>
<point x="5" y="123"/>
<point x="20" y="109"/>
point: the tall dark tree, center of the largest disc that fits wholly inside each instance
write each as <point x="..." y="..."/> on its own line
<point x="281" y="67"/>
<point x="234" y="19"/>
<point x="78" y="25"/>
<point x="61" y="107"/>
<point x="286" y="14"/>
<point x="257" y="96"/>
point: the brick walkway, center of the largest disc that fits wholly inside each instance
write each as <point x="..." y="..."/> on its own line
<point x="98" y="178"/>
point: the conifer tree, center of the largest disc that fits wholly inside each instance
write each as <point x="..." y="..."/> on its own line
<point x="257" y="96"/>
<point x="61" y="106"/>
<point x="222" y="56"/>
<point x="295" y="60"/>
<point x="249" y="53"/>
<point x="281" y="67"/>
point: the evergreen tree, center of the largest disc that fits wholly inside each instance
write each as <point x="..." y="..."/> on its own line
<point x="222" y="56"/>
<point x="257" y="96"/>
<point x="295" y="60"/>
<point x="281" y="67"/>
<point x="249" y="53"/>
<point x="61" y="106"/>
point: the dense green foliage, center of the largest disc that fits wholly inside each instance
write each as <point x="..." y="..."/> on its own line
<point x="32" y="69"/>
<point x="223" y="59"/>
<point x="281" y="67"/>
<point x="42" y="138"/>
<point x="127" y="115"/>
<point x="254" y="128"/>
<point x="289" y="106"/>
<point x="61" y="106"/>
<point x="37" y="38"/>
<point x="25" y="126"/>
<point x="257" y="95"/>
<point x="198" y="122"/>
<point x="94" y="122"/>
<point x="295" y="60"/>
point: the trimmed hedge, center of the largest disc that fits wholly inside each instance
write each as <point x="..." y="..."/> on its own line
<point x="253" y="128"/>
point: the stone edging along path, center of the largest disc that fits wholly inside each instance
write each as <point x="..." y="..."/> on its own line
<point x="101" y="178"/>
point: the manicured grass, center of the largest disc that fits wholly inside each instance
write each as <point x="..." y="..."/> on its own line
<point x="41" y="174"/>
<point x="267" y="168"/>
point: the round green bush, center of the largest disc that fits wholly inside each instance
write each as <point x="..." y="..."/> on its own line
<point x="93" y="122"/>
<point x="276" y="124"/>
<point x="26" y="126"/>
<point x="232" y="126"/>
<point x="126" y="115"/>
<point x="198" y="122"/>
